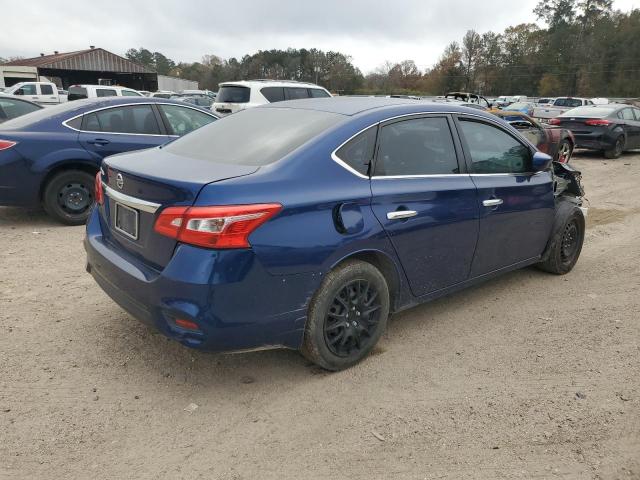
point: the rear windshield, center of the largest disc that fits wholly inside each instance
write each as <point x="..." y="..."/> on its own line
<point x="591" y="112"/>
<point x="257" y="136"/>
<point x="77" y="93"/>
<point x="567" y="102"/>
<point x="233" y="94"/>
<point x="60" y="110"/>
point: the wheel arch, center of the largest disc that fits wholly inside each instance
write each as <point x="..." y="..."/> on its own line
<point x="84" y="166"/>
<point x="387" y="266"/>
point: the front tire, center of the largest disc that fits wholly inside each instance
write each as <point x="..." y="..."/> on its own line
<point x="617" y="149"/>
<point x="68" y="197"/>
<point x="565" y="150"/>
<point x="567" y="238"/>
<point x="347" y="316"/>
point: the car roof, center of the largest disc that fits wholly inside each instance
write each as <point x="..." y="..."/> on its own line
<point x="269" y="83"/>
<point x="351" y="106"/>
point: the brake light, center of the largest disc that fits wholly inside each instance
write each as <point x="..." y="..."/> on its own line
<point x="99" y="196"/>
<point x="597" y="123"/>
<point x="226" y="226"/>
<point x="6" y="144"/>
<point x="554" y="121"/>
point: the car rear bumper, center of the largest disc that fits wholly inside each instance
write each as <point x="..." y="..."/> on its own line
<point x="236" y="304"/>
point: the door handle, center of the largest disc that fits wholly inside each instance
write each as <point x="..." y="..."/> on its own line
<point x="98" y="141"/>
<point x="401" y="214"/>
<point x="494" y="202"/>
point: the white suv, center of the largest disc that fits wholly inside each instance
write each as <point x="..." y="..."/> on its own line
<point x="235" y="96"/>
<point x="78" y="92"/>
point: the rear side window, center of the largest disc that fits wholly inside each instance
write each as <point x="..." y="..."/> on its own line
<point x="421" y="146"/>
<point x="138" y="119"/>
<point x="233" y="94"/>
<point x="636" y="112"/>
<point x="256" y="136"/>
<point x="492" y="150"/>
<point x="105" y="92"/>
<point x="295" y="93"/>
<point x="46" y="89"/>
<point x="273" y="94"/>
<point x="77" y="93"/>
<point x="626" y="114"/>
<point x="318" y="93"/>
<point x="358" y="152"/>
<point x="183" y="120"/>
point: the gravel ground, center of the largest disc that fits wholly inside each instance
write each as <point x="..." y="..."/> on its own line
<point x="526" y="376"/>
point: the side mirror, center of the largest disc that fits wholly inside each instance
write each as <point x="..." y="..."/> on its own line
<point x="541" y="162"/>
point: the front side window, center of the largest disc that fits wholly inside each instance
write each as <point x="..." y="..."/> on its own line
<point x="273" y="94"/>
<point x="422" y="146"/>
<point x="46" y="89"/>
<point x="183" y="120"/>
<point x="105" y="92"/>
<point x="296" y="93"/>
<point x="138" y="119"/>
<point x="358" y="152"/>
<point x="493" y="150"/>
<point x="27" y="90"/>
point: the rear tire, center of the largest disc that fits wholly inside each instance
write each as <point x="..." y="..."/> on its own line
<point x="617" y="149"/>
<point x="565" y="150"/>
<point x="347" y="316"/>
<point x="567" y="238"/>
<point x="68" y="196"/>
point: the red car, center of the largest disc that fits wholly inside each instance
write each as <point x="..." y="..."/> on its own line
<point x="555" y="141"/>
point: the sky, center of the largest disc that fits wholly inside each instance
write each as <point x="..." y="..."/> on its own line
<point x="370" y="31"/>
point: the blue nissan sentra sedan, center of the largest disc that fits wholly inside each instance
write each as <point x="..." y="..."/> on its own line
<point x="304" y="224"/>
<point x="50" y="157"/>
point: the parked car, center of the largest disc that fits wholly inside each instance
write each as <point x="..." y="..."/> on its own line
<point x="50" y="157"/>
<point x="80" y="92"/>
<point x="304" y="224"/>
<point x="545" y="101"/>
<point x="559" y="106"/>
<point x="466" y="97"/>
<point x="553" y="140"/>
<point x="612" y="128"/>
<point x="199" y="100"/>
<point x="208" y="93"/>
<point x="162" y="94"/>
<point x="13" y="107"/>
<point x="522" y="107"/>
<point x="44" y="93"/>
<point x="235" y="96"/>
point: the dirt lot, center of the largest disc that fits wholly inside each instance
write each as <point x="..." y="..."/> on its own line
<point x="527" y="376"/>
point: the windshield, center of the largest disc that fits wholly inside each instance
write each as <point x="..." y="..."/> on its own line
<point x="233" y="94"/>
<point x="257" y="136"/>
<point x="591" y="112"/>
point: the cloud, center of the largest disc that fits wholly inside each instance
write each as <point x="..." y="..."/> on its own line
<point x="370" y="31"/>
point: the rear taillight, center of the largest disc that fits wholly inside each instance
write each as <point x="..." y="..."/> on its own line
<point x="99" y="196"/>
<point x="597" y="123"/>
<point x="6" y="144"/>
<point x="226" y="226"/>
<point x="554" y="121"/>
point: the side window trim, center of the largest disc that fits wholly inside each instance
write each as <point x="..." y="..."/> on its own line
<point x="462" y="166"/>
<point x="467" y="154"/>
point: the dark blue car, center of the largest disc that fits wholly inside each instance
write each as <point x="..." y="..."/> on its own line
<point x="303" y="224"/>
<point x="50" y="157"/>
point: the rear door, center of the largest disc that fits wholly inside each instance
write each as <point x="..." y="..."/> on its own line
<point x="121" y="129"/>
<point x="48" y="94"/>
<point x="516" y="206"/>
<point x="631" y="127"/>
<point x="425" y="201"/>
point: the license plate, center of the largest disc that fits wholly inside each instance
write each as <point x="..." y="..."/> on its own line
<point x="126" y="221"/>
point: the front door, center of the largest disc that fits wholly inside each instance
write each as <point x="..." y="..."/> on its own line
<point x="517" y="207"/>
<point x="426" y="203"/>
<point x="121" y="129"/>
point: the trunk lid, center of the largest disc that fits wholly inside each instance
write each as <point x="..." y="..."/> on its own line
<point x="140" y="184"/>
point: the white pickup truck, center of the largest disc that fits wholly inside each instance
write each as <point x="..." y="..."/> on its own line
<point x="44" y="93"/>
<point x="558" y="107"/>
